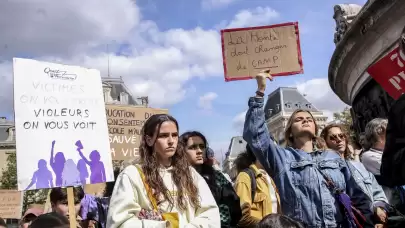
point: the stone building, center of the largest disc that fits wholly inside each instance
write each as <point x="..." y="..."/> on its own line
<point x="281" y="103"/>
<point x="7" y="141"/>
<point x="363" y="36"/>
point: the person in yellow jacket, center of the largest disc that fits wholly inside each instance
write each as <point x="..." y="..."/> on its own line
<point x="266" y="199"/>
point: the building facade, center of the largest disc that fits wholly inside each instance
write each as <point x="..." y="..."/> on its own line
<point x="365" y="34"/>
<point x="281" y="103"/>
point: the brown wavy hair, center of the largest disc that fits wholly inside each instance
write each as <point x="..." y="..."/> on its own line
<point x="318" y="142"/>
<point x="325" y="134"/>
<point x="181" y="175"/>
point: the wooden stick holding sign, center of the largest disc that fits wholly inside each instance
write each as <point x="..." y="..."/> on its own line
<point x="71" y="206"/>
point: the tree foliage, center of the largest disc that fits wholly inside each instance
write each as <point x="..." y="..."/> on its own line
<point x="8" y="180"/>
<point x="9" y="174"/>
<point x="345" y="118"/>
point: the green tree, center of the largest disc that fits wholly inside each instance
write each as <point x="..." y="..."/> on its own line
<point x="9" y="174"/>
<point x="8" y="180"/>
<point x="345" y="118"/>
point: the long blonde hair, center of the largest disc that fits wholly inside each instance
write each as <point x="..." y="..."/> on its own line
<point x="318" y="142"/>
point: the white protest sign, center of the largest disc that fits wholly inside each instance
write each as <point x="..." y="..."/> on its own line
<point x="61" y="128"/>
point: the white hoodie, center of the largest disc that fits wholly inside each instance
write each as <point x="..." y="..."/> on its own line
<point x="130" y="196"/>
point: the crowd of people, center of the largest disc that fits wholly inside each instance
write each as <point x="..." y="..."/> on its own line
<point x="317" y="180"/>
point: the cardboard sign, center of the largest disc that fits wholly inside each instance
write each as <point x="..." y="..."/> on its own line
<point x="61" y="128"/>
<point x="389" y="72"/>
<point x="246" y="51"/>
<point x="124" y="125"/>
<point x="10" y="204"/>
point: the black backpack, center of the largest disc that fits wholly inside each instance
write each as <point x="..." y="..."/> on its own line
<point x="253" y="183"/>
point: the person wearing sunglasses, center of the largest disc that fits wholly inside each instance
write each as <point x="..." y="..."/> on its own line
<point x="338" y="140"/>
<point x="201" y="157"/>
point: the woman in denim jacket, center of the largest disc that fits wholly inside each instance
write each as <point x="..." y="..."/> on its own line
<point x="337" y="139"/>
<point x="304" y="193"/>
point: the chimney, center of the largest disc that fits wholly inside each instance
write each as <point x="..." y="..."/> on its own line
<point x="124" y="98"/>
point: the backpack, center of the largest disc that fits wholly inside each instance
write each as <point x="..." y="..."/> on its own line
<point x="253" y="183"/>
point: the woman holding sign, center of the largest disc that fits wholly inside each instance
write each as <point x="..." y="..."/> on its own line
<point x="163" y="191"/>
<point x="312" y="182"/>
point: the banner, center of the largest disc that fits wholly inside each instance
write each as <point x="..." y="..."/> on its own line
<point x="124" y="126"/>
<point x="61" y="128"/>
<point x="389" y="72"/>
<point x="10" y="204"/>
<point x="246" y="51"/>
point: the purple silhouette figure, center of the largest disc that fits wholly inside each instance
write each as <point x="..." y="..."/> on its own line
<point x="57" y="163"/>
<point x="84" y="173"/>
<point x="70" y="174"/>
<point x="96" y="166"/>
<point x="42" y="177"/>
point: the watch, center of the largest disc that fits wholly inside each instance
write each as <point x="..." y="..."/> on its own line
<point x="260" y="94"/>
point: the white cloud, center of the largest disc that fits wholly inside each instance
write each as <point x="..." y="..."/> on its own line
<point x="156" y="63"/>
<point x="238" y="121"/>
<point x="251" y="17"/>
<point x="215" y="4"/>
<point x="319" y="93"/>
<point x="205" y="101"/>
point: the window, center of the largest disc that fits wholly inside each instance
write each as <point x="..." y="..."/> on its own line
<point x="288" y="105"/>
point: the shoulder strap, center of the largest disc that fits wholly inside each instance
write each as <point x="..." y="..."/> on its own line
<point x="328" y="180"/>
<point x="253" y="183"/>
<point x="148" y="189"/>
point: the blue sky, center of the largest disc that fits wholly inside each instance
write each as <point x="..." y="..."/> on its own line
<point x="170" y="51"/>
<point x="316" y="29"/>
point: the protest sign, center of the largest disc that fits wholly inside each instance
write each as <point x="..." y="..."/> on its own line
<point x="389" y="72"/>
<point x="10" y="204"/>
<point x="61" y="128"/>
<point x="246" y="51"/>
<point x="124" y="126"/>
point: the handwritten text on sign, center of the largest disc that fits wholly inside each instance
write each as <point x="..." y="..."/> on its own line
<point x="389" y="72"/>
<point x="124" y="126"/>
<point x="247" y="51"/>
<point x="10" y="204"/>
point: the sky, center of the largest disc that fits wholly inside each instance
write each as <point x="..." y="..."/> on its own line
<point x="169" y="51"/>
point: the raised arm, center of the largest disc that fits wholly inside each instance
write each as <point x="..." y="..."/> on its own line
<point x="257" y="135"/>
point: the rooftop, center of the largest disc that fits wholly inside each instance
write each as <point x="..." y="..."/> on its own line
<point x="117" y="87"/>
<point x="286" y="100"/>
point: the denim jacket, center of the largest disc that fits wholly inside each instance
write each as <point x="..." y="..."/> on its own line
<point x="302" y="188"/>
<point x="368" y="184"/>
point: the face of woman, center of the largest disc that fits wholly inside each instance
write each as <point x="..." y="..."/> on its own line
<point x="196" y="150"/>
<point x="166" y="141"/>
<point x="303" y="125"/>
<point x="336" y="140"/>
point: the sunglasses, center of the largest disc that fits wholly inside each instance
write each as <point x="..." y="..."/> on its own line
<point x="336" y="137"/>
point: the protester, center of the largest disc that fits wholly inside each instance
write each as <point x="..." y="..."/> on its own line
<point x="256" y="190"/>
<point x="3" y="223"/>
<point x="59" y="202"/>
<point x="51" y="220"/>
<point x="201" y="158"/>
<point x="278" y="221"/>
<point x="312" y="182"/>
<point x="30" y="215"/>
<point x="163" y="186"/>
<point x="337" y="139"/>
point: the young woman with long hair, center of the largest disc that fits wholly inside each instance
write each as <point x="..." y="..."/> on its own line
<point x="163" y="186"/>
<point x="311" y="181"/>
<point x="337" y="139"/>
<point x="196" y="146"/>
